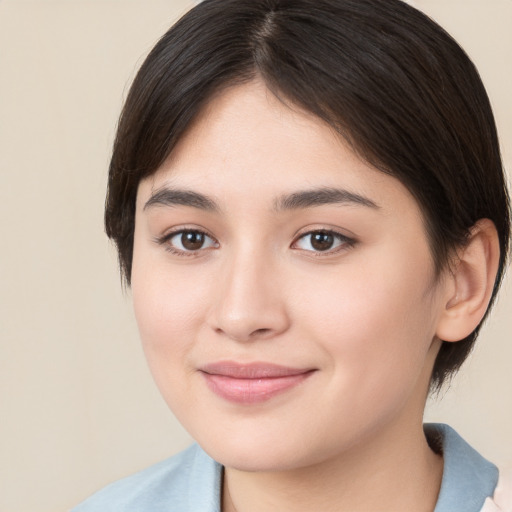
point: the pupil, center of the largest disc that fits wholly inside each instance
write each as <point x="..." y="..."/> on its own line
<point x="192" y="240"/>
<point x="322" y="241"/>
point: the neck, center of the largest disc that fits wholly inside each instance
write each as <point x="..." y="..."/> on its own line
<point x="369" y="477"/>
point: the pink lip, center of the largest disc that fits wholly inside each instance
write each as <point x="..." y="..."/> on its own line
<point x="251" y="383"/>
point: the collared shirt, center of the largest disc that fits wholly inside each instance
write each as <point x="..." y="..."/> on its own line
<point x="191" y="482"/>
<point x="468" y="478"/>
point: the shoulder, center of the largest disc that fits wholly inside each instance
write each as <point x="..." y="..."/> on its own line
<point x="502" y="499"/>
<point x="170" y="485"/>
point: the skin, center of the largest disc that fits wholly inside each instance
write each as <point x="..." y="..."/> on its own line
<point x="363" y="315"/>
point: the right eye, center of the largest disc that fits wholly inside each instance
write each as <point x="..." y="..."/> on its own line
<point x="186" y="242"/>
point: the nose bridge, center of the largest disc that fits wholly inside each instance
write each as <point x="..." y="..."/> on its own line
<point x="250" y="304"/>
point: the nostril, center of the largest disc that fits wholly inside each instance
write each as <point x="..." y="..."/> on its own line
<point x="260" y="332"/>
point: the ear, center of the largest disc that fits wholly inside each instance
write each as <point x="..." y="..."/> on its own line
<point x="470" y="283"/>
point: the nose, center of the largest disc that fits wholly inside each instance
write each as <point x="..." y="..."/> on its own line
<point x="250" y="302"/>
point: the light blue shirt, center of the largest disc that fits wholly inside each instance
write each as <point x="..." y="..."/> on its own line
<point x="191" y="482"/>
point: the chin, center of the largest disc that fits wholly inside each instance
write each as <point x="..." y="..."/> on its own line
<point x="257" y="460"/>
<point x="262" y="451"/>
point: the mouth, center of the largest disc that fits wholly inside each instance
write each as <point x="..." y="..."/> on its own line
<point x="252" y="383"/>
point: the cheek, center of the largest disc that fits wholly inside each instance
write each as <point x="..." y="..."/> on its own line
<point x="166" y="309"/>
<point x="375" y="326"/>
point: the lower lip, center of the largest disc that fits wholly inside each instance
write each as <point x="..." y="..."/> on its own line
<point x="251" y="391"/>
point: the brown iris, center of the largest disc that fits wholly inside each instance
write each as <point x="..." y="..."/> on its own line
<point x="192" y="240"/>
<point x="322" y="241"/>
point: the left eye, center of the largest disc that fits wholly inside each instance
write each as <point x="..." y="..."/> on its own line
<point x="190" y="240"/>
<point x="321" y="241"/>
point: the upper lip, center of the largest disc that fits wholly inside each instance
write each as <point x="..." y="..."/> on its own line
<point x="257" y="370"/>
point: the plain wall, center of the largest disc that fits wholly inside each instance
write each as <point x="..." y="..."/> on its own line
<point x="78" y="407"/>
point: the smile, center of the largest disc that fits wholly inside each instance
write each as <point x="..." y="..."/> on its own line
<point x="251" y="383"/>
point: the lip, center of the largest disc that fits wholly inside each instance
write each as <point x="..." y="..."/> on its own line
<point x="251" y="383"/>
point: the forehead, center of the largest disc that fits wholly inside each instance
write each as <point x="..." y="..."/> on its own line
<point x="249" y="144"/>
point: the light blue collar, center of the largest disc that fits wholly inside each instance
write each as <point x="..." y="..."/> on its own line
<point x="192" y="481"/>
<point x="204" y="483"/>
<point x="468" y="478"/>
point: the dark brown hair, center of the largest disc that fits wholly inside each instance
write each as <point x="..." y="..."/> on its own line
<point x="392" y="82"/>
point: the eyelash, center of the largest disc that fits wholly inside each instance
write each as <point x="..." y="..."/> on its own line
<point x="345" y="242"/>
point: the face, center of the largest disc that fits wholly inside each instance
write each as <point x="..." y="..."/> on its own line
<point x="283" y="288"/>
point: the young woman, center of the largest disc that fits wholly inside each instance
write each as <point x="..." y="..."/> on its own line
<point x="309" y="205"/>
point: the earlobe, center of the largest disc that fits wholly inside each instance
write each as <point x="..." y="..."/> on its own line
<point x="471" y="283"/>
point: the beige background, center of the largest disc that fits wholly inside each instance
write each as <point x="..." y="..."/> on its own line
<point x="77" y="405"/>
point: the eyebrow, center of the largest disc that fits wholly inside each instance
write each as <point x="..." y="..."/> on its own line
<point x="173" y="197"/>
<point x="295" y="201"/>
<point x="319" y="197"/>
